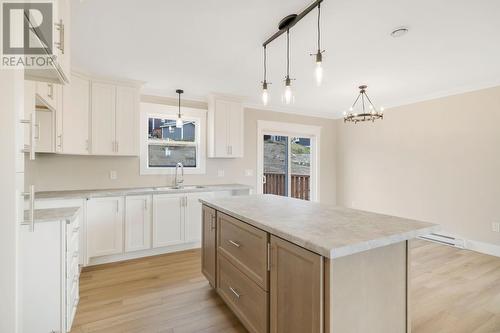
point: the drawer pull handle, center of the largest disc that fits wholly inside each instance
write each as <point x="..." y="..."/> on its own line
<point x="234" y="243"/>
<point x="75" y="229"/>
<point x="234" y="292"/>
<point x="75" y="255"/>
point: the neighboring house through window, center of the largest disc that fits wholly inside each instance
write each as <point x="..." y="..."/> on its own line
<point x="163" y="145"/>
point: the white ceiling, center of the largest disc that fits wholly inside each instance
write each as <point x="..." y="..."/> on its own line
<point x="208" y="46"/>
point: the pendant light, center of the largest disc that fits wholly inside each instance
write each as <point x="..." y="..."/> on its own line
<point x="288" y="97"/>
<point x="265" y="93"/>
<point x="371" y="114"/>
<point x="179" y="123"/>
<point x="319" y="54"/>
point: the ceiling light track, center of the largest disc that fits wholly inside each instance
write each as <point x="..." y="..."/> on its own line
<point x="289" y="21"/>
<point x="284" y="26"/>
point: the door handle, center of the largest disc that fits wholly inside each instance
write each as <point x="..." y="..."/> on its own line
<point x="236" y="244"/>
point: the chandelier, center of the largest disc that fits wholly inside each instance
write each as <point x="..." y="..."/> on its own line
<point x="368" y="111"/>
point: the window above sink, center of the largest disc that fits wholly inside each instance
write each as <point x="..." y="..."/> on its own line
<point x="163" y="145"/>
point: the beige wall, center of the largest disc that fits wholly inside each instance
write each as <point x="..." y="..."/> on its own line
<point x="59" y="172"/>
<point x="437" y="161"/>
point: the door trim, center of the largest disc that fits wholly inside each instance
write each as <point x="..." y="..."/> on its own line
<point x="290" y="129"/>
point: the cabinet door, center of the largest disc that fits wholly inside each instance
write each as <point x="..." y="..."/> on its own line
<point x="58" y="121"/>
<point x="296" y="289"/>
<point x="168" y="216"/>
<point x="76" y="113"/>
<point x="62" y="36"/>
<point x="193" y="216"/>
<point x="104" y="226"/>
<point x="137" y="223"/>
<point x="103" y="108"/>
<point x="235" y="130"/>
<point x="44" y="131"/>
<point x="42" y="258"/>
<point x="127" y="118"/>
<point x="222" y="109"/>
<point x="209" y="245"/>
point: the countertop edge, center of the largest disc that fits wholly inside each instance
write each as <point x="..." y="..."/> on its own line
<point x="97" y="193"/>
<point x="67" y="214"/>
<point x="331" y="253"/>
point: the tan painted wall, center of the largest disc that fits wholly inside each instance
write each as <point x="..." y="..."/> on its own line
<point x="437" y="161"/>
<point x="59" y="172"/>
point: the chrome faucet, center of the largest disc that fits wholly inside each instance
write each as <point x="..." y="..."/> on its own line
<point x="179" y="181"/>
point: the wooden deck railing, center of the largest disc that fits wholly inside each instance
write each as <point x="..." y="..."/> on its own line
<point x="276" y="184"/>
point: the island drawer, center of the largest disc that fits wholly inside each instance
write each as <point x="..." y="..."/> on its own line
<point x="247" y="300"/>
<point x="244" y="246"/>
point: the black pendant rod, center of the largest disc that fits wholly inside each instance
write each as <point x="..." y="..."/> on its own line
<point x="291" y="24"/>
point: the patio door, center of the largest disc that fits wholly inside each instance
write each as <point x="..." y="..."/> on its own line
<point x="287" y="166"/>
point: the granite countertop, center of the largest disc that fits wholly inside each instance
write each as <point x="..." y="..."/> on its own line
<point x="330" y="231"/>
<point x="83" y="194"/>
<point x="53" y="214"/>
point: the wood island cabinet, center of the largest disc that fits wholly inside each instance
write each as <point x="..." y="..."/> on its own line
<point x="296" y="288"/>
<point x="208" y="247"/>
<point x="270" y="284"/>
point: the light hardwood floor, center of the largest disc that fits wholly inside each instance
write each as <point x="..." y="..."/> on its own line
<point x="453" y="291"/>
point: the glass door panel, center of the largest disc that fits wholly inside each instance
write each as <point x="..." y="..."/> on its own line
<point x="276" y="180"/>
<point x="300" y="161"/>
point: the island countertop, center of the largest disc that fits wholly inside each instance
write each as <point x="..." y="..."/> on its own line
<point x="328" y="230"/>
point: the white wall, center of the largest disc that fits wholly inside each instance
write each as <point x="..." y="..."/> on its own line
<point x="437" y="161"/>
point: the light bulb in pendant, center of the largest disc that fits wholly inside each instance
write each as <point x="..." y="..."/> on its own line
<point x="319" y="68"/>
<point x="288" y="95"/>
<point x="178" y="122"/>
<point x="265" y="93"/>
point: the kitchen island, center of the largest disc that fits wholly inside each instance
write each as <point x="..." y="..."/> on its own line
<point x="288" y="265"/>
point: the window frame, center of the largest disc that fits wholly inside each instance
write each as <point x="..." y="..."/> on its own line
<point x="199" y="116"/>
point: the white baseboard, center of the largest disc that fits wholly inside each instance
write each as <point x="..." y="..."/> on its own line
<point x="142" y="253"/>
<point x="486" y="248"/>
<point x="463" y="243"/>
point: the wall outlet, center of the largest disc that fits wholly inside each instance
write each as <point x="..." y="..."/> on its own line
<point x="248" y="172"/>
<point x="113" y="175"/>
<point x="220" y="173"/>
<point x="495" y="226"/>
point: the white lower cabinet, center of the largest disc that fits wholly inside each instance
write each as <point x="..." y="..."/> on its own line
<point x="104" y="226"/>
<point x="168" y="216"/>
<point x="138" y="222"/>
<point x="49" y="276"/>
<point x="132" y="226"/>
<point x="193" y="215"/>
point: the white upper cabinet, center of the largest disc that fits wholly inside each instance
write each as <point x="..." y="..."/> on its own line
<point x="59" y="72"/>
<point x="103" y="118"/>
<point x="115" y="115"/>
<point x="137" y="222"/>
<point x="225" y="127"/>
<point x="104" y="226"/>
<point x="72" y="135"/>
<point x="127" y="118"/>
